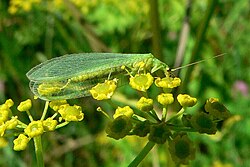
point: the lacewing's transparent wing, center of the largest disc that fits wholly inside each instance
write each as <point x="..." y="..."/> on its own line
<point x="72" y="76"/>
<point x="56" y="90"/>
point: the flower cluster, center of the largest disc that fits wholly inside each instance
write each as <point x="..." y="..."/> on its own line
<point x="151" y="118"/>
<point x="36" y="128"/>
<point x="26" y="6"/>
<point x="7" y="121"/>
<point x="206" y="121"/>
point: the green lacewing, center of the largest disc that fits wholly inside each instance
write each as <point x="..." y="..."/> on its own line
<point x="73" y="75"/>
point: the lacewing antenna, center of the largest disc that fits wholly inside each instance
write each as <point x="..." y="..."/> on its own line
<point x="197" y="62"/>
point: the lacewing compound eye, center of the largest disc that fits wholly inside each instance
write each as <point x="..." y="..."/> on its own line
<point x="72" y="76"/>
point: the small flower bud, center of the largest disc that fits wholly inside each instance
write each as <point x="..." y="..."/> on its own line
<point x="55" y="104"/>
<point x="104" y="90"/>
<point x="216" y="109"/>
<point x="25" y="105"/>
<point x="4" y="113"/>
<point x="145" y="104"/>
<point x="181" y="149"/>
<point x="165" y="99"/>
<point x="123" y="67"/>
<point x="186" y="120"/>
<point x="142" y="128"/>
<point x="11" y="124"/>
<point x="168" y="82"/>
<point x="9" y="103"/>
<point x="141" y="82"/>
<point x="159" y="133"/>
<point x="2" y="129"/>
<point x="21" y="142"/>
<point x="71" y="113"/>
<point x="203" y="123"/>
<point x="35" y="128"/>
<point x="49" y="124"/>
<point x="127" y="111"/>
<point x="186" y="100"/>
<point x="119" y="127"/>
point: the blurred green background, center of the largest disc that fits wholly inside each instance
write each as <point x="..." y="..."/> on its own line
<point x="176" y="32"/>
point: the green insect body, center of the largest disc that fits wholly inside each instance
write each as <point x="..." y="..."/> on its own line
<point x="72" y="76"/>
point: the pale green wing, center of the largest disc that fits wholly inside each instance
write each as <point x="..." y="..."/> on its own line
<point x="89" y="64"/>
<point x="56" y="90"/>
<point x="72" y="76"/>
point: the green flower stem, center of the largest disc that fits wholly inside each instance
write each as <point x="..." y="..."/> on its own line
<point x="145" y="115"/>
<point x="29" y="115"/>
<point x="99" y="109"/>
<point x="38" y="151"/>
<point x="62" y="125"/>
<point x="144" y="94"/>
<point x="155" y="117"/>
<point x="177" y="115"/>
<point x="21" y="124"/>
<point x="142" y="154"/>
<point x="54" y="115"/>
<point x="181" y="129"/>
<point x="153" y="113"/>
<point x="45" y="110"/>
<point x="164" y="114"/>
<point x="136" y="118"/>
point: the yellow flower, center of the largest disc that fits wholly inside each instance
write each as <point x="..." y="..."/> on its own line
<point x="58" y="3"/>
<point x="4" y="113"/>
<point x="71" y="113"/>
<point x="186" y="100"/>
<point x="3" y="142"/>
<point x="11" y="124"/>
<point x="168" y="82"/>
<point x="12" y="9"/>
<point x="49" y="124"/>
<point x="9" y="103"/>
<point x="35" y="128"/>
<point x="218" y="163"/>
<point x="20" y="143"/>
<point x="141" y="82"/>
<point x="165" y="98"/>
<point x="127" y="111"/>
<point x="5" y="110"/>
<point x="26" y="6"/>
<point x="25" y="105"/>
<point x="36" y="1"/>
<point x="104" y="90"/>
<point x="2" y="129"/>
<point x="145" y="104"/>
<point x="55" y="104"/>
